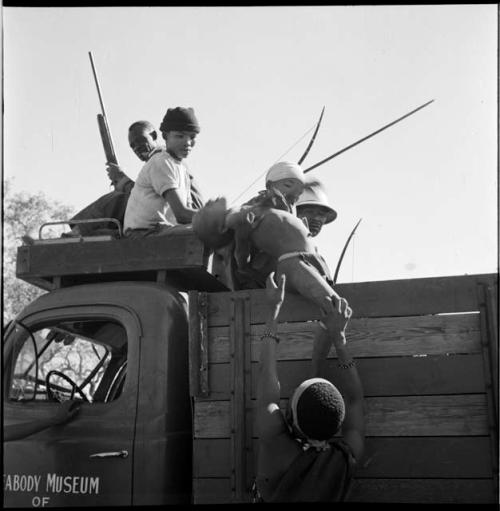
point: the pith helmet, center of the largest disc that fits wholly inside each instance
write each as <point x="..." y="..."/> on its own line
<point x="313" y="195"/>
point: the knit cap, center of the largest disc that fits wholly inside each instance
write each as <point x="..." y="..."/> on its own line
<point x="180" y="119"/>
<point x="285" y="170"/>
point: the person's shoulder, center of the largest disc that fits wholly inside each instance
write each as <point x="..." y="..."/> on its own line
<point x="159" y="157"/>
<point x="341" y="445"/>
<point x="160" y="162"/>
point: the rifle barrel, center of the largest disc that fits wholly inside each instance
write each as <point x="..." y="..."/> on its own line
<point x="97" y="84"/>
<point x="103" y="121"/>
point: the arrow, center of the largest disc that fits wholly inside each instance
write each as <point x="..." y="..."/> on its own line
<point x="367" y="137"/>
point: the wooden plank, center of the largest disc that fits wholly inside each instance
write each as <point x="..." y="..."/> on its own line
<point x="372" y="299"/>
<point x="212" y="419"/>
<point x="368" y="337"/>
<point x="427" y="457"/>
<point x="427" y="415"/>
<point x="454" y="415"/>
<point x="411" y="491"/>
<point x="212" y="491"/>
<point x="389" y="376"/>
<point x="423" y="491"/>
<point x="385" y="457"/>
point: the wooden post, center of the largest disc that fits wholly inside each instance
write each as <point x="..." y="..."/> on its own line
<point x="198" y="344"/>
<point x="489" y="345"/>
<point x="240" y="395"/>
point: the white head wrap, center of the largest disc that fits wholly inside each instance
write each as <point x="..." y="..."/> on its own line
<point x="285" y="170"/>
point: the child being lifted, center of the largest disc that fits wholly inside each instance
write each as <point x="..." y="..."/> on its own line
<point x="268" y="236"/>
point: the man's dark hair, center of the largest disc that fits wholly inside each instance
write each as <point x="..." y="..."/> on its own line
<point x="141" y="125"/>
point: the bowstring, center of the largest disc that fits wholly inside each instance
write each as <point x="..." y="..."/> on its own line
<point x="277" y="160"/>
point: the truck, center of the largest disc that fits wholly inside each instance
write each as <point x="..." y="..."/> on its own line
<point x="161" y="356"/>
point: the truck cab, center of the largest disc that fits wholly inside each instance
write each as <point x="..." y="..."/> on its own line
<point x="112" y="335"/>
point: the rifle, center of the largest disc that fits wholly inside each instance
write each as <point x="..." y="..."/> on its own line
<point x="102" y="122"/>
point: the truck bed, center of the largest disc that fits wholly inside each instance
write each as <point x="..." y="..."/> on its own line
<point x="426" y="351"/>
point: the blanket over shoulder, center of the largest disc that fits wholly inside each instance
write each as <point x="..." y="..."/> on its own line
<point x="317" y="476"/>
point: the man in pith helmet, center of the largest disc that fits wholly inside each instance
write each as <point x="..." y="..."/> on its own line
<point x="313" y="206"/>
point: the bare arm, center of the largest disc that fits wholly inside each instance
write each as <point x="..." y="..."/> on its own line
<point x="183" y="214"/>
<point x="269" y="418"/>
<point x="348" y="380"/>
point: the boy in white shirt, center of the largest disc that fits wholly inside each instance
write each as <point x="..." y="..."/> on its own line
<point x="161" y="198"/>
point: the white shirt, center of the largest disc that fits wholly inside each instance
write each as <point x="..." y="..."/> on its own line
<point x="160" y="173"/>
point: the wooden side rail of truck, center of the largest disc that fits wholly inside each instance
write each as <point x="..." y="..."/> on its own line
<point x="426" y="350"/>
<point x="427" y="354"/>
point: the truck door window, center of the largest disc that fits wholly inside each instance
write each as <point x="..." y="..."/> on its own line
<point x="82" y="360"/>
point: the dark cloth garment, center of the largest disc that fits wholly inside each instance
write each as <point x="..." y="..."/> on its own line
<point x="158" y="230"/>
<point x="196" y="196"/>
<point x="317" y="476"/>
<point x="269" y="199"/>
<point x="113" y="205"/>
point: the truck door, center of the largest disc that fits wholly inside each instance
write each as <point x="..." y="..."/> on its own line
<point x="88" y="354"/>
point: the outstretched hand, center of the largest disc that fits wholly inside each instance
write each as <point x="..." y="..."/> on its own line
<point x="338" y="316"/>
<point x="275" y="293"/>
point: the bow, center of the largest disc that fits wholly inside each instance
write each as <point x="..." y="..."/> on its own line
<point x="367" y="137"/>
<point x="343" y="251"/>
<point x="303" y="157"/>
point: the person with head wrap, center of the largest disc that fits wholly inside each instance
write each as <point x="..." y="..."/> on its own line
<point x="265" y="235"/>
<point x="300" y="457"/>
<point x="162" y="197"/>
<point x="247" y="264"/>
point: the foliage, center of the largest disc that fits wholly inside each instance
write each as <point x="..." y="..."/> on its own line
<point x="23" y="214"/>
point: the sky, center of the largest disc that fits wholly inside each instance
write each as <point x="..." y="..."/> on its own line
<point x="257" y="77"/>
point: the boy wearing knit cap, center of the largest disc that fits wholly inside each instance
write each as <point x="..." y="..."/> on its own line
<point x="161" y="198"/>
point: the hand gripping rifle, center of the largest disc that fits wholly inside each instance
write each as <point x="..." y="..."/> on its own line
<point x="102" y="121"/>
